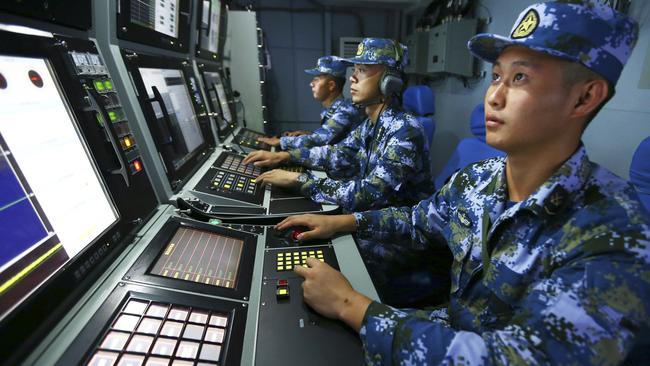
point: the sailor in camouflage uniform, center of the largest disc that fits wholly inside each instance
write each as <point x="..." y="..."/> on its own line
<point x="384" y="160"/>
<point x="339" y="116"/>
<point x="551" y="251"/>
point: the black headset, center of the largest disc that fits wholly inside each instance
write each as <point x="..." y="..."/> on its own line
<point x="391" y="82"/>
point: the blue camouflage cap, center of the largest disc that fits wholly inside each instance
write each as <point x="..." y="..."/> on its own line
<point x="374" y="51"/>
<point x="331" y="65"/>
<point x="588" y="32"/>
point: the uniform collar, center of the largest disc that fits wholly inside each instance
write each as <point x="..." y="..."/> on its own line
<point x="551" y="197"/>
<point x="327" y="112"/>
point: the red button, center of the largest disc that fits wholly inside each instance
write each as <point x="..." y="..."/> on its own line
<point x="283" y="283"/>
<point x="137" y="165"/>
<point x="295" y="234"/>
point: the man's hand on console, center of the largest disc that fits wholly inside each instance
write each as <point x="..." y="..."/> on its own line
<point x="278" y="177"/>
<point x="328" y="292"/>
<point x="273" y="141"/>
<point x="266" y="159"/>
<point x="321" y="226"/>
<point x="297" y="133"/>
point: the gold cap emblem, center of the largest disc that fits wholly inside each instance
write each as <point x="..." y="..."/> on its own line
<point x="360" y="49"/>
<point x="527" y="25"/>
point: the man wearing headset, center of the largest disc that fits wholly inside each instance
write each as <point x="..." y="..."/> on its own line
<point x="384" y="160"/>
<point x="339" y="116"/>
<point x="551" y="251"/>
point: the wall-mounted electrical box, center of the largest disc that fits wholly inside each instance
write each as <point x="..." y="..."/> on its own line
<point x="446" y="50"/>
<point x="417" y="52"/>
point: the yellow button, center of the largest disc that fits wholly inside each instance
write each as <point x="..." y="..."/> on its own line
<point x="322" y="260"/>
<point x="280" y="254"/>
<point x="252" y="180"/>
<point x="303" y="253"/>
<point x="240" y="185"/>
<point x="280" y="268"/>
<point x="282" y="291"/>
<point x="227" y="186"/>
<point x="311" y="252"/>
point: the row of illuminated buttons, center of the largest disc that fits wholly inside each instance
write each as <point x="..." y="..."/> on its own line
<point x="242" y="185"/>
<point x="286" y="261"/>
<point x="103" y="85"/>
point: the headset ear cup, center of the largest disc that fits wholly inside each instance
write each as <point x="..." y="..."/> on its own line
<point x="390" y="84"/>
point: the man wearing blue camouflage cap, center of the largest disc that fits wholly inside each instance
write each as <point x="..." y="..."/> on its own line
<point x="339" y="116"/>
<point x="383" y="161"/>
<point x="551" y="251"/>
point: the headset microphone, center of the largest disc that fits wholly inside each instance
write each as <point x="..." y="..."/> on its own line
<point x="369" y="103"/>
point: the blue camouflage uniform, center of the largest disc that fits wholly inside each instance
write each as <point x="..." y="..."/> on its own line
<point x="384" y="164"/>
<point x="337" y="121"/>
<point x="562" y="277"/>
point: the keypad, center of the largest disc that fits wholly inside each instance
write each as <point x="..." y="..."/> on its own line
<point x="231" y="182"/>
<point x="287" y="259"/>
<point x="234" y="164"/>
<point x="158" y="333"/>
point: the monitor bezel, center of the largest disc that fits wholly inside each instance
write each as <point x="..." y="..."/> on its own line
<point x="230" y="127"/>
<point x="71" y="13"/>
<point x="34" y="316"/>
<point x="206" y="54"/>
<point x="136" y="33"/>
<point x="177" y="176"/>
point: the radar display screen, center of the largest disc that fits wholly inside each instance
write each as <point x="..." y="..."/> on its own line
<point x="53" y="201"/>
<point x="201" y="256"/>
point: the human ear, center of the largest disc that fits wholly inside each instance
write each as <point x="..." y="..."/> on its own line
<point x="591" y="95"/>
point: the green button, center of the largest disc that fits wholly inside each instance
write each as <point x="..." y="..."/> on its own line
<point x="108" y="85"/>
<point x="112" y="115"/>
<point x="99" y="86"/>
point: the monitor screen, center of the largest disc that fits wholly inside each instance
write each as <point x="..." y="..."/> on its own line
<point x="210" y="22"/>
<point x="201" y="256"/>
<point x="184" y="126"/>
<point x="214" y="84"/>
<point x="53" y="202"/>
<point x="217" y="98"/>
<point x="158" y="15"/>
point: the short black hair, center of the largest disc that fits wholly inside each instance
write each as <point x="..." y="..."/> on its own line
<point x="339" y="83"/>
<point x="575" y="72"/>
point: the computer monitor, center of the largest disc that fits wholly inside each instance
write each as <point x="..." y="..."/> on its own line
<point x="211" y="24"/>
<point x="70" y="13"/>
<point x="53" y="201"/>
<point x="161" y="23"/>
<point x="183" y="132"/>
<point x="201" y="256"/>
<point x="219" y="101"/>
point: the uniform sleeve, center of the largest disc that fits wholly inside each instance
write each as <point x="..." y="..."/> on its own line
<point x="342" y="121"/>
<point x="377" y="188"/>
<point x="330" y="157"/>
<point x="418" y="226"/>
<point x="587" y="312"/>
